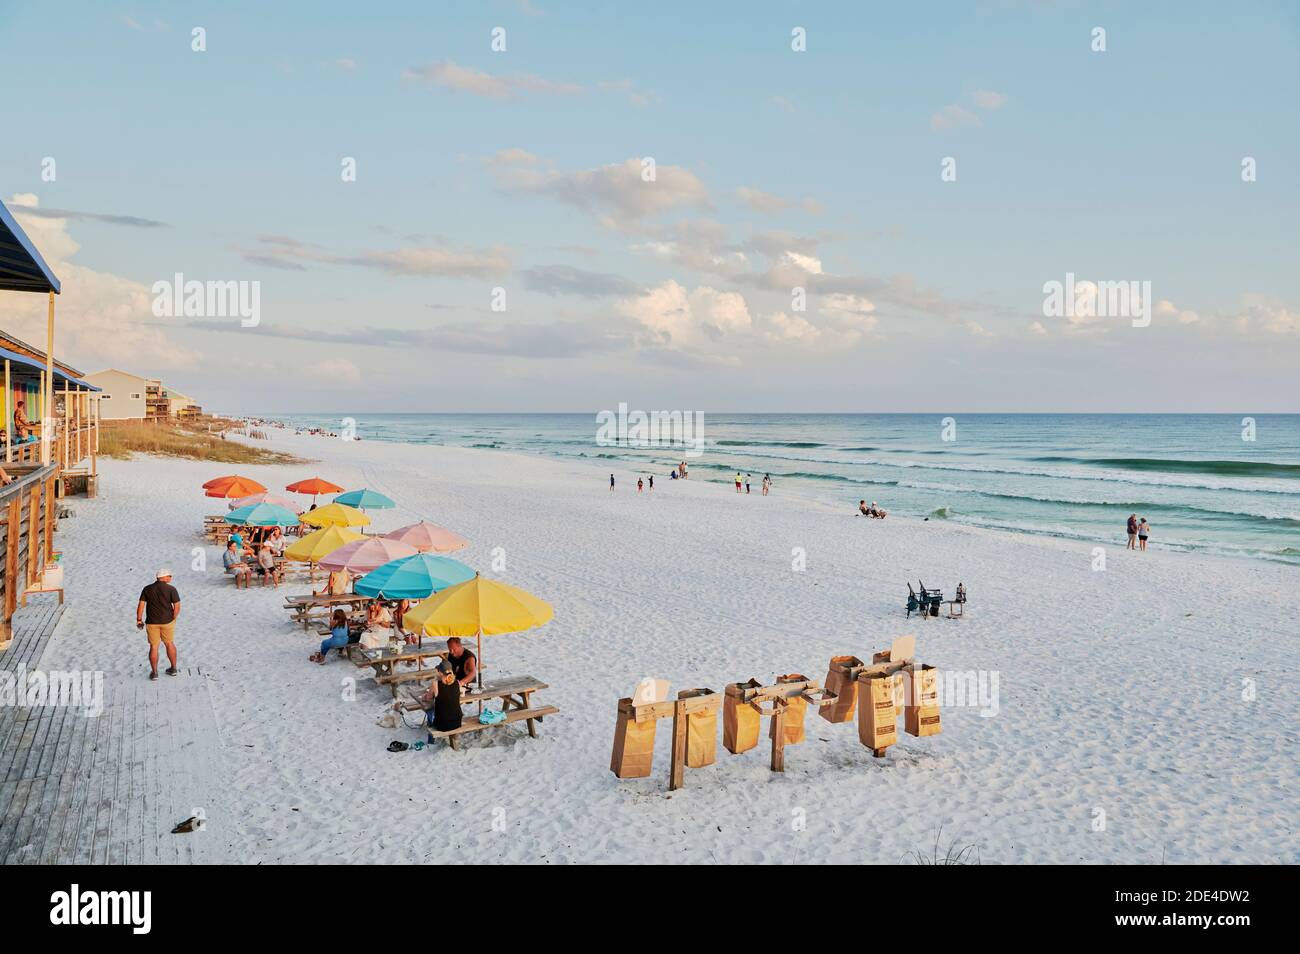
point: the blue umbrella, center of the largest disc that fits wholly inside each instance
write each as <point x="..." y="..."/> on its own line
<point x="414" y="577"/>
<point x="263" y="515"/>
<point x="361" y="499"/>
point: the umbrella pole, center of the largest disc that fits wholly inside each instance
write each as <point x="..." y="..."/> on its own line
<point x="480" y="668"/>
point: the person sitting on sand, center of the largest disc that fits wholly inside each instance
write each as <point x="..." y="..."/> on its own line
<point x="463" y="662"/>
<point x="338" y="584"/>
<point x="233" y="559"/>
<point x="862" y="508"/>
<point x="1144" y="531"/>
<point x="876" y="511"/>
<point x="442" y="700"/>
<point x="266" y="565"/>
<point x="337" y="639"/>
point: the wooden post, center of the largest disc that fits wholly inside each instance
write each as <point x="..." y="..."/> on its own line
<point x="51" y="514"/>
<point x="48" y="385"/>
<point x="677" y="771"/>
<point x="67" y="425"/>
<point x="34" y="564"/>
<point x="11" y="557"/>
<point x="9" y="417"/>
<point x="778" y="735"/>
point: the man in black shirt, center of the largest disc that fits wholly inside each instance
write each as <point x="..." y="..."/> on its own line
<point x="156" y="613"/>
<point x="463" y="663"/>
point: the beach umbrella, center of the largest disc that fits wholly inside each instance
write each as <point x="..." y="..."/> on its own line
<point x="263" y="515"/>
<point x="313" y="486"/>
<point x="478" y="608"/>
<point x="362" y="556"/>
<point x="335" y="515"/>
<point x="414" y="577"/>
<point x="234" y="486"/>
<point x="321" y="543"/>
<point x="364" y="498"/>
<point x="429" y="537"/>
<point x="288" y="503"/>
<point x="216" y="480"/>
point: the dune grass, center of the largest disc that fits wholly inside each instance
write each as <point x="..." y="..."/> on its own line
<point x="121" y="439"/>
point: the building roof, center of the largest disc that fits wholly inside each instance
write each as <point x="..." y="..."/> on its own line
<point x="24" y="366"/>
<point x="21" y="266"/>
<point x="129" y="374"/>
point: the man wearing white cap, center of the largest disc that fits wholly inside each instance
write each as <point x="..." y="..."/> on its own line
<point x="156" y="613"/>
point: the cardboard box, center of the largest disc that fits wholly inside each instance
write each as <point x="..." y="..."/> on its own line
<point x="841" y="679"/>
<point x="740" y="720"/>
<point x="634" y="743"/>
<point x="877" y="721"/>
<point x="701" y="731"/>
<point x="921" y="713"/>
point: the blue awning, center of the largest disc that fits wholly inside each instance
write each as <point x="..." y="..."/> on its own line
<point x="34" y="366"/>
<point x="21" y="265"/>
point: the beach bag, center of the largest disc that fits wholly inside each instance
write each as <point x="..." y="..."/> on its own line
<point x="796" y="708"/>
<point x="491" y="717"/>
<point x="841" y="680"/>
<point x="701" y="731"/>
<point x="877" y="720"/>
<point x="634" y="743"/>
<point x="740" y="719"/>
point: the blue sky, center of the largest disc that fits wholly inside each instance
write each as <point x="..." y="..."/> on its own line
<point x="517" y="170"/>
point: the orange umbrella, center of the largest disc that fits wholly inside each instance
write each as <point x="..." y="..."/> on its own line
<point x="313" y="486"/>
<point x="216" y="480"/>
<point x="234" y="487"/>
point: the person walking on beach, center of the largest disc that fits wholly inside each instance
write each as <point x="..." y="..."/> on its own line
<point x="651" y="479"/>
<point x="156" y="614"/>
<point x="1132" y="531"/>
<point x="748" y="477"/>
<point x="611" y="482"/>
<point x="767" y="483"/>
<point x="1144" y="531"/>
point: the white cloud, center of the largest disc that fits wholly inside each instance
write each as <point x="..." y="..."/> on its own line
<point x="681" y="318"/>
<point x="463" y="79"/>
<point x="987" y="99"/>
<point x="617" y="194"/>
<point x="953" y="117"/>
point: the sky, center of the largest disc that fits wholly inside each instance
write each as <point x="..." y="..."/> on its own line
<point x="751" y="206"/>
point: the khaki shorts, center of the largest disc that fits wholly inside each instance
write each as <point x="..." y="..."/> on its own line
<point x="161" y="633"/>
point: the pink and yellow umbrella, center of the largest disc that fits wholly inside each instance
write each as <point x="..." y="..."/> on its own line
<point x="362" y="556"/>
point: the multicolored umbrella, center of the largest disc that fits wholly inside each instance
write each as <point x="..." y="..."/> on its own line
<point x="362" y="556"/>
<point x="263" y="515"/>
<point x="478" y="608"/>
<point x="414" y="577"/>
<point x="364" y="498"/>
<point x="234" y="486"/>
<point x="335" y="515"/>
<point x="288" y="503"/>
<point x="427" y="537"/>
<point x="321" y="543"/>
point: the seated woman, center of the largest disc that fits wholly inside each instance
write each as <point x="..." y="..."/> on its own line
<point x="337" y="639"/>
<point x="233" y="559"/>
<point x="403" y="607"/>
<point x="442" y="700"/>
<point x="275" y="540"/>
<point x="338" y="584"/>
<point x="379" y="616"/>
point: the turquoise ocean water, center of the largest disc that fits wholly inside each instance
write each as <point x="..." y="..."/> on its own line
<point x="1193" y="477"/>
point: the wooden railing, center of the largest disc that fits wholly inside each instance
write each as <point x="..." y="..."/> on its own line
<point x="28" y="512"/>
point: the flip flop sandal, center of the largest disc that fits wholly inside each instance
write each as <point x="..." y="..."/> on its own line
<point x="396" y="746"/>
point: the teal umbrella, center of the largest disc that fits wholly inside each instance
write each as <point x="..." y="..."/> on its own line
<point x="263" y="515"/>
<point x="413" y="578"/>
<point x="362" y="499"/>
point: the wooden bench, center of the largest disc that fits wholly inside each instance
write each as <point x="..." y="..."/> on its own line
<point x="514" y="715"/>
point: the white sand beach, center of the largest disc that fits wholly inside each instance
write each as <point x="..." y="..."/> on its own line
<point x="1126" y="692"/>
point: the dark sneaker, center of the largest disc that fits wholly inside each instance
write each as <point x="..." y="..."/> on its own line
<point x="153" y="675"/>
<point x="172" y="671"/>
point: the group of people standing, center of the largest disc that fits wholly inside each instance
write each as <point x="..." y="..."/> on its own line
<point x="767" y="482"/>
<point x="1138" y="531"/>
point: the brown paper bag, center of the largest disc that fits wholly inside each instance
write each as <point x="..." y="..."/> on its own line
<point x="634" y="744"/>
<point x="877" y="723"/>
<point x="740" y="720"/>
<point x="701" y="731"/>
<point x="841" y="680"/>
<point x="921" y="714"/>
<point x="795" y="710"/>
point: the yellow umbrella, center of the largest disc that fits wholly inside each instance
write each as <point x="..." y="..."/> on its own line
<point x="335" y="515"/>
<point x="321" y="543"/>
<point x="479" y="608"/>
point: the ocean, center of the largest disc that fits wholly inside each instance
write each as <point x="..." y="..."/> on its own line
<point x="1194" y="477"/>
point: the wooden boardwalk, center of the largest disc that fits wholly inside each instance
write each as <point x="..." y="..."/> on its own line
<point x="106" y="788"/>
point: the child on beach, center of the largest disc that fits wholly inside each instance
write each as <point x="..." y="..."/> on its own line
<point x="639" y="484"/>
<point x="1144" y="531"/>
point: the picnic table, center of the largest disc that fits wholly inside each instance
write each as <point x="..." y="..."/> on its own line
<point x="384" y="661"/>
<point x="516" y="695"/>
<point x="302" y="606"/>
